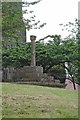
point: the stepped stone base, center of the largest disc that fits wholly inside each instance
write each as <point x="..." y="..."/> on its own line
<point x="28" y="73"/>
<point x="48" y="84"/>
<point x="31" y="74"/>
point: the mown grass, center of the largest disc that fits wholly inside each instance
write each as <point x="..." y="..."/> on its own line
<point x="30" y="101"/>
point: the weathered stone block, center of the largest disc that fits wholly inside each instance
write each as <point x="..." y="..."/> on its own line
<point x="29" y="73"/>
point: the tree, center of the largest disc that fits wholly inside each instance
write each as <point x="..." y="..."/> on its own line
<point x="73" y="44"/>
<point x="50" y="56"/>
<point x="13" y="27"/>
<point x="31" y="22"/>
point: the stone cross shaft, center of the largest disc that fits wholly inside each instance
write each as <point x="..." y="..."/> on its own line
<point x="33" y="60"/>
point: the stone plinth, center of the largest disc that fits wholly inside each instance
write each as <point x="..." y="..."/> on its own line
<point x="29" y="73"/>
<point x="33" y="69"/>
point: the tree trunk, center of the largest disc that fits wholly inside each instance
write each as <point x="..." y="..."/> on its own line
<point x="71" y="77"/>
<point x="73" y="83"/>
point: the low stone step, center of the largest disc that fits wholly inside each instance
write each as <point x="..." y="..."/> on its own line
<point x="60" y="85"/>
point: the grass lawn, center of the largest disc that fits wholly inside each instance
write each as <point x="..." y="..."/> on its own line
<point x="30" y="101"/>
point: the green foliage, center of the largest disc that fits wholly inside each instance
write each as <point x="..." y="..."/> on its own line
<point x="12" y="23"/>
<point x="58" y="72"/>
<point x="16" y="56"/>
<point x="72" y="28"/>
<point x="31" y="22"/>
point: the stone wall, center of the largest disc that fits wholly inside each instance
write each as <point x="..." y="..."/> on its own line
<point x="7" y="74"/>
<point x="0" y="75"/>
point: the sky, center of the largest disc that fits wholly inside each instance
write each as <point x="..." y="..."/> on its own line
<point x="53" y="13"/>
